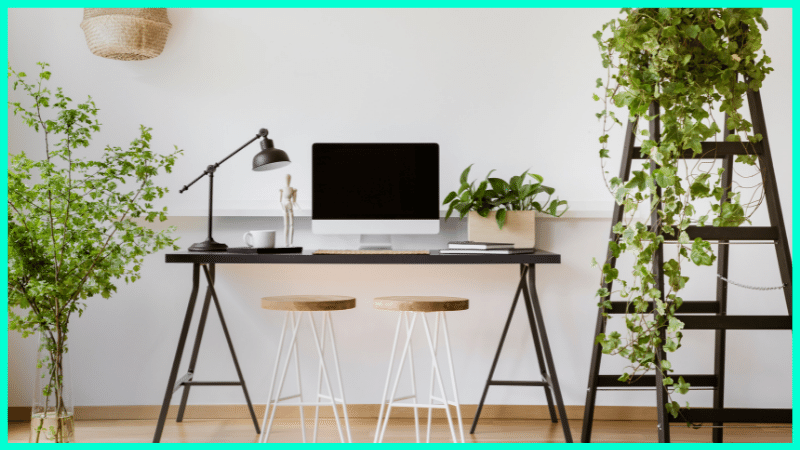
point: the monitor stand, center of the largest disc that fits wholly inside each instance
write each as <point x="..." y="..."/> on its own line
<point x="375" y="242"/>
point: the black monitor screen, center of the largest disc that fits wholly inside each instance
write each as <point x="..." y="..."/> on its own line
<point x="375" y="181"/>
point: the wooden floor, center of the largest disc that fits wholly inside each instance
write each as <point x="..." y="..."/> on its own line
<point x="399" y="430"/>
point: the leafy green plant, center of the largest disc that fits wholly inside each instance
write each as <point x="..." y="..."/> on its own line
<point x="496" y="194"/>
<point x="72" y="221"/>
<point x="693" y="62"/>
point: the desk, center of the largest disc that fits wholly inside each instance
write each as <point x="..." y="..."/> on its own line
<point x="206" y="262"/>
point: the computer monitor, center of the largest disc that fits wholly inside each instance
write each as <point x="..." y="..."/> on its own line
<point x="375" y="189"/>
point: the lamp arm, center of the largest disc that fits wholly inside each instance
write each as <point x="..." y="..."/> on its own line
<point x="212" y="168"/>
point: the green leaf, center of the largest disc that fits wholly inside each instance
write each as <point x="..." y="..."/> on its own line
<point x="700" y="187"/>
<point x="730" y="215"/>
<point x="664" y="176"/>
<point x="760" y="19"/>
<point x="619" y="195"/>
<point x="450" y="210"/>
<point x="673" y="408"/>
<point x="538" y="178"/>
<point x="501" y="218"/>
<point x="515" y="183"/>
<point x="708" y="38"/>
<point x="682" y="387"/>
<point x="499" y="185"/>
<point x="464" y="175"/>
<point x="639" y="181"/>
<point x="610" y="273"/>
<point x="449" y="198"/>
<point x="701" y="253"/>
<point x="479" y="193"/>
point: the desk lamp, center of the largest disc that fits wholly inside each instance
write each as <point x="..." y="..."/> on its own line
<point x="267" y="159"/>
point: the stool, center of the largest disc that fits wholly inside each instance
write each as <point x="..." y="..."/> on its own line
<point x="414" y="306"/>
<point x="305" y="305"/>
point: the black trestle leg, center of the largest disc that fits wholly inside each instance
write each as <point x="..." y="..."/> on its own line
<point x="497" y="355"/>
<point x="173" y="376"/>
<point x="542" y="367"/>
<point x="193" y="361"/>
<point x="230" y="346"/>
<point x="530" y="295"/>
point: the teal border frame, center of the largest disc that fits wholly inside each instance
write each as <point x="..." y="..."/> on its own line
<point x="435" y="4"/>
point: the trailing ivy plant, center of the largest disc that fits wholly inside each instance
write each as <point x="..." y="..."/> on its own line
<point x="697" y="64"/>
<point x="497" y="194"/>
<point x="72" y="223"/>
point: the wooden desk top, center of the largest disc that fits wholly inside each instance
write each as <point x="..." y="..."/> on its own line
<point x="537" y="257"/>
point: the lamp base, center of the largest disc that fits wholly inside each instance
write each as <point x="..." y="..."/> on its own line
<point x="209" y="245"/>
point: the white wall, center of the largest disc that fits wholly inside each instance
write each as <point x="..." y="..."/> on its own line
<point x="505" y="89"/>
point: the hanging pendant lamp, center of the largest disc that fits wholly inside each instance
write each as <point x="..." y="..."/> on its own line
<point x="126" y="34"/>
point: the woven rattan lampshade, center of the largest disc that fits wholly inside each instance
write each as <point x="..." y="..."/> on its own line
<point x="126" y="34"/>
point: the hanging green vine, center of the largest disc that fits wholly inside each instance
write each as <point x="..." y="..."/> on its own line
<point x="694" y="62"/>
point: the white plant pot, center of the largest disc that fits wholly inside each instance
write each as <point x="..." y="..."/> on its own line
<point x="519" y="228"/>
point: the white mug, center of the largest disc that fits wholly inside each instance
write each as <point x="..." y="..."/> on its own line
<point x="260" y="238"/>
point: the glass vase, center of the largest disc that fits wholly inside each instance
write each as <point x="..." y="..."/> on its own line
<point x="52" y="409"/>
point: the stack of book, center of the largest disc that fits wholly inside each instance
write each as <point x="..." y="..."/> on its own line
<point x="486" y="248"/>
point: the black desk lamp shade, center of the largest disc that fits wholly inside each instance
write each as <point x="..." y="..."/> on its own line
<point x="267" y="159"/>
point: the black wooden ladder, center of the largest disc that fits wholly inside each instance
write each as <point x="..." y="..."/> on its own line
<point x="715" y="317"/>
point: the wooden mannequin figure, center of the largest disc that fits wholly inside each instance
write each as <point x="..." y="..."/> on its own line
<point x="288" y="203"/>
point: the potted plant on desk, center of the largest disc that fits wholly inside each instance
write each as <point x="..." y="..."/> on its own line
<point x="503" y="211"/>
<point x="72" y="233"/>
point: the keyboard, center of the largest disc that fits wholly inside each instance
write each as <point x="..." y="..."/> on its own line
<point x="372" y="252"/>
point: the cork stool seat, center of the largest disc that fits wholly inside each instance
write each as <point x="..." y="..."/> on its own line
<point x="413" y="310"/>
<point x="421" y="304"/>
<point x="297" y="307"/>
<point x="308" y="303"/>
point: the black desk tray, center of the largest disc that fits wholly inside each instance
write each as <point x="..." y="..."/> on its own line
<point x="265" y="250"/>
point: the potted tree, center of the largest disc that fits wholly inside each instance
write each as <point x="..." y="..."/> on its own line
<point x="503" y="211"/>
<point x="697" y="64"/>
<point x="74" y="229"/>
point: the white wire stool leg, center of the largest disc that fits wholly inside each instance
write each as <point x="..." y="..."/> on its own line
<point x="452" y="374"/>
<point x="338" y="374"/>
<point x="272" y="382"/>
<point x="299" y="384"/>
<point x="413" y="378"/>
<point x="319" y="383"/>
<point x="430" y="393"/>
<point x="292" y="344"/>
<point x="388" y="379"/>
<point x="439" y="378"/>
<point x="327" y="378"/>
<point x="399" y="373"/>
